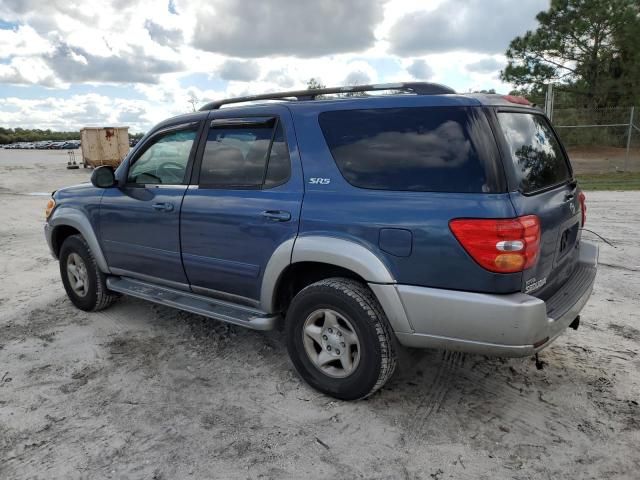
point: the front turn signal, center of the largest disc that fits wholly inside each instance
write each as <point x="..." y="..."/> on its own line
<point x="49" y="208"/>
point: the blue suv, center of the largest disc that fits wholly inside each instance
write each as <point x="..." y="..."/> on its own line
<point x="421" y="218"/>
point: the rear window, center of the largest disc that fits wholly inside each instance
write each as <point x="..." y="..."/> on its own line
<point x="535" y="151"/>
<point x="434" y="149"/>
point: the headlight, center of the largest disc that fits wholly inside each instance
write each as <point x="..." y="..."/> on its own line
<point x="51" y="204"/>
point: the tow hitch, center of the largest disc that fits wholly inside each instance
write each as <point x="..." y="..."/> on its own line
<point x="576" y="323"/>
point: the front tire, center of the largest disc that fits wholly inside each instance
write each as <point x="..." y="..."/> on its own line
<point x="83" y="281"/>
<point x="339" y="339"/>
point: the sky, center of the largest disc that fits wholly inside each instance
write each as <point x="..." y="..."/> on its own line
<point x="66" y="64"/>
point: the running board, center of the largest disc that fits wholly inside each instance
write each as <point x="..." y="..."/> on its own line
<point x="191" y="302"/>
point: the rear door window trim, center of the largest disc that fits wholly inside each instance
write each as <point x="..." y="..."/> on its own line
<point x="240" y="120"/>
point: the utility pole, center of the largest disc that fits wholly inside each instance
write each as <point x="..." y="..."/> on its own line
<point x="626" y="158"/>
<point x="548" y="101"/>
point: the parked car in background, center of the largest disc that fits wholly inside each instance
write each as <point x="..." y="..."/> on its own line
<point x="427" y="218"/>
<point x="44" y="145"/>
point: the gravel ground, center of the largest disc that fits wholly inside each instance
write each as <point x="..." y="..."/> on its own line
<point x="144" y="391"/>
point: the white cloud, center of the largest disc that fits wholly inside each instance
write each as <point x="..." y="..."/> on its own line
<point x="420" y="69"/>
<point x="28" y="70"/>
<point x="23" y="41"/>
<point x="242" y="70"/>
<point x="158" y="56"/>
<point x="282" y="27"/>
<point x="485" y="65"/>
<point x="470" y="25"/>
<point x="73" y="113"/>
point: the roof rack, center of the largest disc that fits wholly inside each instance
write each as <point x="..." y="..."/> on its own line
<point x="419" y="88"/>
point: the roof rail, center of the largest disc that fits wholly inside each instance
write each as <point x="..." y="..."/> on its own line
<point x="419" y="88"/>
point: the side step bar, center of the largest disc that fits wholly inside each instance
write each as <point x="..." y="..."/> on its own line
<point x="191" y="302"/>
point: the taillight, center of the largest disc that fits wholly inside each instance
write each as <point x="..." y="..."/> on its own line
<point x="500" y="245"/>
<point x="583" y="206"/>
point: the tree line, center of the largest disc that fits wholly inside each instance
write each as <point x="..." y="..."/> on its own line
<point x="14" y="135"/>
<point x="587" y="48"/>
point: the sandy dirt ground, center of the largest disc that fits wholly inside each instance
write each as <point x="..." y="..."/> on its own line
<point x="141" y="391"/>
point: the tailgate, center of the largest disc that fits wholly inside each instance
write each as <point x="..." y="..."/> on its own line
<point x="542" y="174"/>
<point x="559" y="214"/>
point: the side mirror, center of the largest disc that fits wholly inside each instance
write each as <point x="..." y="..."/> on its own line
<point x="103" y="177"/>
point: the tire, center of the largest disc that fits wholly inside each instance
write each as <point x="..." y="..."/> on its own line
<point x="93" y="295"/>
<point x="340" y="313"/>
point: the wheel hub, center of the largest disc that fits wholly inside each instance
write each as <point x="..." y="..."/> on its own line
<point x="77" y="274"/>
<point x="331" y="343"/>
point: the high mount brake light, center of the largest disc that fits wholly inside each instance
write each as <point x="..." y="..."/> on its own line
<point x="583" y="206"/>
<point x="500" y="245"/>
<point x="517" y="99"/>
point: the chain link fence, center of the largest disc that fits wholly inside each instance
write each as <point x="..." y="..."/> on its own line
<point x="600" y="139"/>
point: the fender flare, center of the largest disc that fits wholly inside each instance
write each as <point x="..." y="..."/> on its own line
<point x="342" y="253"/>
<point x="72" y="217"/>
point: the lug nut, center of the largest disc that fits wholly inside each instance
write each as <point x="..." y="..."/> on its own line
<point x="329" y="348"/>
<point x="324" y="337"/>
<point x="337" y="352"/>
<point x="330" y="330"/>
<point x="342" y="344"/>
<point x="339" y="333"/>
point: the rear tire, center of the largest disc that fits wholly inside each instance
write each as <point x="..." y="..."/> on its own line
<point x="339" y="339"/>
<point x="85" y="284"/>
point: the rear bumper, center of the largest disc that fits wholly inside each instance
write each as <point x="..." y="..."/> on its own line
<point x="513" y="325"/>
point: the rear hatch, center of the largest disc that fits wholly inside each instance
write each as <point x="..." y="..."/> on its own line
<point x="539" y="169"/>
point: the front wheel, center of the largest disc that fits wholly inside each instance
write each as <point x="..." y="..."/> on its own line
<point x="83" y="281"/>
<point x="339" y="339"/>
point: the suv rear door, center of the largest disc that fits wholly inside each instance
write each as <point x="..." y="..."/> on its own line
<point x="243" y="202"/>
<point x="539" y="169"/>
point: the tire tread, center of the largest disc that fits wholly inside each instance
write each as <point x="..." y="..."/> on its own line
<point x="369" y="304"/>
<point x="104" y="298"/>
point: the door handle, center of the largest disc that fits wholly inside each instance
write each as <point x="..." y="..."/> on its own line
<point x="164" y="207"/>
<point x="277" y="215"/>
<point x="568" y="196"/>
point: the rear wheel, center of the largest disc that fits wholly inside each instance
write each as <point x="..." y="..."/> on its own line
<point x="339" y="339"/>
<point x="83" y="281"/>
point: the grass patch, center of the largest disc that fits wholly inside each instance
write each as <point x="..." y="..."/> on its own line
<point x="610" y="181"/>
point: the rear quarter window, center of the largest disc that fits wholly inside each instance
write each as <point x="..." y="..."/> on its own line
<point x="535" y="151"/>
<point x="425" y="149"/>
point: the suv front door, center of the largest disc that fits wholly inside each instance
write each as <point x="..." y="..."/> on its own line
<point x="244" y="203"/>
<point x="140" y="220"/>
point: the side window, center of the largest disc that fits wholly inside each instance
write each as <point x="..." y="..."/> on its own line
<point x="165" y="161"/>
<point x="419" y="149"/>
<point x="245" y="156"/>
<point x="535" y="151"/>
